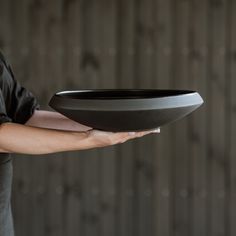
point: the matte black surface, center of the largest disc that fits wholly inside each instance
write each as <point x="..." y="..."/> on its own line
<point x="125" y="109"/>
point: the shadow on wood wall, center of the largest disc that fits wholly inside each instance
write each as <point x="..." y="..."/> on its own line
<point x="181" y="182"/>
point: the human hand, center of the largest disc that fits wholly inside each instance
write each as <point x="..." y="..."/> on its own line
<point x="103" y="138"/>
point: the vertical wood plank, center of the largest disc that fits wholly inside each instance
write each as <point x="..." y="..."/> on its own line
<point x="91" y="76"/>
<point x="108" y="18"/>
<point x="198" y="128"/>
<point x="163" y="57"/>
<point x="72" y="43"/>
<point x="36" y="65"/>
<point x="54" y="219"/>
<point x="217" y="100"/>
<point x="227" y="133"/>
<point x="125" y="155"/>
<point x="231" y="119"/>
<point x="5" y="36"/>
<point x="181" y="149"/>
<point x="144" y="150"/>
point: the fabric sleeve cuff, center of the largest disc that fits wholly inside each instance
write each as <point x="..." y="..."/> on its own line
<point x="4" y="119"/>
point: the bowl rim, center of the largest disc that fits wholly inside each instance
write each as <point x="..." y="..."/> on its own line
<point x="188" y="98"/>
<point x="180" y="92"/>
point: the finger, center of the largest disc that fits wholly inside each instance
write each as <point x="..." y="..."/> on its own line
<point x="121" y="137"/>
<point x="133" y="134"/>
<point x="143" y="133"/>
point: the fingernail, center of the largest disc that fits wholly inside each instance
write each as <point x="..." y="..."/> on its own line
<point x="132" y="133"/>
<point x="156" y="130"/>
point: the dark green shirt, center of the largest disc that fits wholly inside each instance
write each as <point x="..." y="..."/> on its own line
<point x="17" y="105"/>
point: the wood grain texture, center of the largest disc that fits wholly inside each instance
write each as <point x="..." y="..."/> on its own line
<point x="54" y="221"/>
<point x="36" y="66"/>
<point x="125" y="222"/>
<point x="182" y="159"/>
<point x="108" y="172"/>
<point x="162" y="184"/>
<point x="231" y="130"/>
<point x="180" y="182"/>
<point x="143" y="169"/>
<point x="74" y="161"/>
<point x="198" y="127"/>
<point x="216" y="118"/>
<point x="91" y="75"/>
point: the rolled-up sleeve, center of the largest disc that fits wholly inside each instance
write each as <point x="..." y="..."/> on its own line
<point x="20" y="103"/>
<point x="23" y="102"/>
<point x="3" y="114"/>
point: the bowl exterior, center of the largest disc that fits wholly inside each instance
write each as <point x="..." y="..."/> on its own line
<point x="116" y="121"/>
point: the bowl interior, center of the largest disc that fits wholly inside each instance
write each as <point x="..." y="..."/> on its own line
<point x="121" y="93"/>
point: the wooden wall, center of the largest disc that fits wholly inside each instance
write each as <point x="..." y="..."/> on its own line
<point x="179" y="183"/>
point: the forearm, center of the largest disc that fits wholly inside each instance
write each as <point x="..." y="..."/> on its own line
<point x="23" y="139"/>
<point x="17" y="138"/>
<point x="54" y="120"/>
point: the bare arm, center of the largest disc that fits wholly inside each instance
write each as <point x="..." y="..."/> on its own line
<point x="54" y="120"/>
<point x="17" y="138"/>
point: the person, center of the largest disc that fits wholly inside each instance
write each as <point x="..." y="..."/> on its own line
<point x="26" y="129"/>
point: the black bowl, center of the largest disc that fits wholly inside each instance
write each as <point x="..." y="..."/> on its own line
<point x="125" y="109"/>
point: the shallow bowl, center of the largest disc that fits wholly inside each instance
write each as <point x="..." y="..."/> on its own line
<point x="125" y="109"/>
